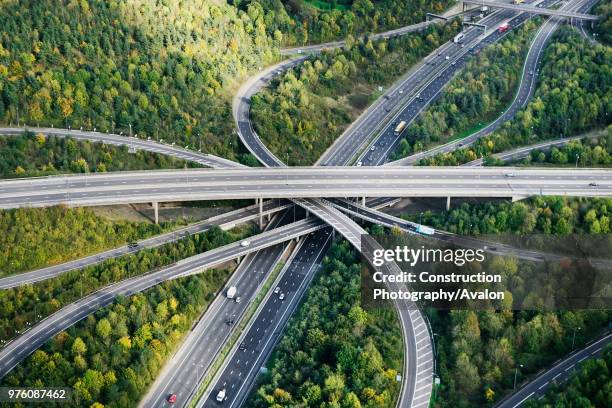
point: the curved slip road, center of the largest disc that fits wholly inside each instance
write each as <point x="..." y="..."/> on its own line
<point x="224" y="221"/>
<point x="522" y="152"/>
<point x="559" y="373"/>
<point x="204" y="159"/>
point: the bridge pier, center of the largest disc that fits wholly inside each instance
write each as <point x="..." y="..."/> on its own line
<point x="155" y="205"/>
<point x="448" y="203"/>
<point x="363" y="201"/>
<point x="260" y="201"/>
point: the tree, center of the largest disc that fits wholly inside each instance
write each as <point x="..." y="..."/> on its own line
<point x="78" y="346"/>
<point x="103" y="328"/>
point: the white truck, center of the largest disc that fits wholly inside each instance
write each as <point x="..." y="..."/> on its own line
<point x="422" y="229"/>
<point x="400" y="128"/>
<point x="231" y="292"/>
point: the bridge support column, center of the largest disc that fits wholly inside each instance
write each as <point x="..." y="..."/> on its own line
<point x="363" y="199"/>
<point x="448" y="203"/>
<point x="155" y="205"/>
<point x="260" y="200"/>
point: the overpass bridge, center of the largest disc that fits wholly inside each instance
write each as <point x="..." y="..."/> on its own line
<point x="297" y="183"/>
<point x="531" y="9"/>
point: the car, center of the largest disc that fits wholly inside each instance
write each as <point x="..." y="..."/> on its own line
<point x="171" y="398"/>
<point x="531" y="72"/>
<point x="460" y="144"/>
<point x="372" y="148"/>
<point x="299" y="51"/>
<point x="132" y="244"/>
<point x="238" y="299"/>
<point x="281" y="296"/>
<point x="462" y="45"/>
<point x="593" y="184"/>
<point x="387" y="109"/>
<point x="277" y="289"/>
<point x="359" y="164"/>
<point x="245" y="243"/>
<point x="453" y="63"/>
<point x="439" y="54"/>
<point x="509" y="174"/>
<point x="229" y="322"/>
<point x="221" y="395"/>
<point x="447" y="57"/>
<point x="242" y="346"/>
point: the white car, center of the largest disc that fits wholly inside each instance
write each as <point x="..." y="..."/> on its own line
<point x="281" y="296"/>
<point x="245" y="243"/>
<point x="509" y="174"/>
<point x="447" y="57"/>
<point x="277" y="289"/>
<point x="359" y="164"/>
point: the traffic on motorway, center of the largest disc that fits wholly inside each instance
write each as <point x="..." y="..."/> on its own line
<point x="219" y="361"/>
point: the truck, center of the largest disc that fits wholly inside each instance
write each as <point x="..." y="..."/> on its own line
<point x="221" y="395"/>
<point x="423" y="229"/>
<point x="231" y="292"/>
<point x="458" y="38"/>
<point x="504" y="27"/>
<point x="400" y="128"/>
<point x="518" y="1"/>
<point x="484" y="9"/>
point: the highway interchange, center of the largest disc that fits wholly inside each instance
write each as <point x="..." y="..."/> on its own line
<point x="337" y="155"/>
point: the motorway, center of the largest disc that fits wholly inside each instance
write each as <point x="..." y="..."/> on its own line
<point x="260" y="336"/>
<point x="183" y="372"/>
<point x="412" y="94"/>
<point x="387" y="141"/>
<point x="311" y="182"/>
<point x="224" y="221"/>
<point x="558" y="374"/>
<point x="133" y="143"/>
<point x="21" y="347"/>
<point x="532" y="10"/>
<point x="526" y="88"/>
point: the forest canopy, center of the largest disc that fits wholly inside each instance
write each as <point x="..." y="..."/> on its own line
<point x="163" y="68"/>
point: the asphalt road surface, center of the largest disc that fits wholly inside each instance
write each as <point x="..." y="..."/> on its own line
<point x="224" y="221"/>
<point x="183" y="372"/>
<point x="558" y="374"/>
<point x="525" y="91"/>
<point x="21" y="347"/>
<point x="190" y="185"/>
<point x="522" y="152"/>
<point x="131" y="142"/>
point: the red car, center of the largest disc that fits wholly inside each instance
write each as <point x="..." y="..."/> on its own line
<point x="172" y="398"/>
